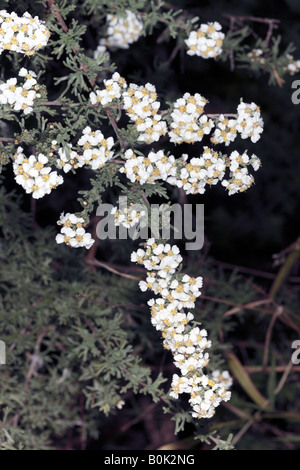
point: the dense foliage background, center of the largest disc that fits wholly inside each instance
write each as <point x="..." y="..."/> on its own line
<point x="80" y="339"/>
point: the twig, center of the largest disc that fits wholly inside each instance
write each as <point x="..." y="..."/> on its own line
<point x="52" y="103"/>
<point x="115" y="128"/>
<point x="279" y="311"/>
<point x="225" y="115"/>
<point x="254" y="272"/>
<point x="6" y="139"/>
<point x="100" y="264"/>
<point x="253" y="18"/>
<point x="57" y="13"/>
<point x="257" y="416"/>
<point x="283" y="378"/>
<point x="278" y="369"/>
<point x="285" y="269"/>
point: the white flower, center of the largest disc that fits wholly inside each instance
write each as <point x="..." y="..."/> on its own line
<point x="188" y="122"/>
<point x="23" y="34"/>
<point x="112" y="91"/>
<point x="156" y="166"/>
<point x="226" y="130"/>
<point x="34" y="175"/>
<point x="206" y="42"/>
<point x="96" y="149"/>
<point x="68" y="159"/>
<point x="249" y="121"/>
<point x="123" y="30"/>
<point x="73" y="233"/>
<point x="187" y="344"/>
<point x="141" y="106"/>
<point x="20" y="97"/>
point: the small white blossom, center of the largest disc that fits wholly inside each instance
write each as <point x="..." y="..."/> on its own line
<point x="23" y="34"/>
<point x="206" y="42"/>
<point x="34" y="175"/>
<point x="73" y="233"/>
<point x="123" y="30"/>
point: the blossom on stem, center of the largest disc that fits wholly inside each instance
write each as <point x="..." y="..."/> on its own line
<point x="96" y="149"/>
<point x="23" y="34"/>
<point x="122" y="30"/>
<point x="141" y="105"/>
<point x="34" y="174"/>
<point x="20" y="97"/>
<point x="189" y="124"/>
<point x="207" y="41"/>
<point x="72" y="232"/>
<point x="188" y="343"/>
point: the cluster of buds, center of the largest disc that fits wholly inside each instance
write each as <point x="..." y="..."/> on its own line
<point x="20" y="97"/>
<point x="23" y="34"/>
<point x="256" y="55"/>
<point x="188" y="343"/>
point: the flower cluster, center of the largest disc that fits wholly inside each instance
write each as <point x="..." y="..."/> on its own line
<point x="156" y="166"/>
<point x="73" y="232"/>
<point x="189" y="124"/>
<point x="293" y="65"/>
<point x="67" y="158"/>
<point x="249" y="121"/>
<point x="128" y="216"/>
<point x="20" y="96"/>
<point x="101" y="51"/>
<point x="206" y="394"/>
<point x="123" y="30"/>
<point x="96" y="149"/>
<point x="225" y="132"/>
<point x="206" y="42"/>
<point x="113" y="90"/>
<point x="194" y="175"/>
<point x="188" y="344"/>
<point x="240" y="179"/>
<point x="23" y="34"/>
<point x="222" y="376"/>
<point x="256" y="55"/>
<point x="141" y="106"/>
<point x="34" y="175"/>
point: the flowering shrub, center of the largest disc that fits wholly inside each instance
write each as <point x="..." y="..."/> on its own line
<point x="81" y="123"/>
